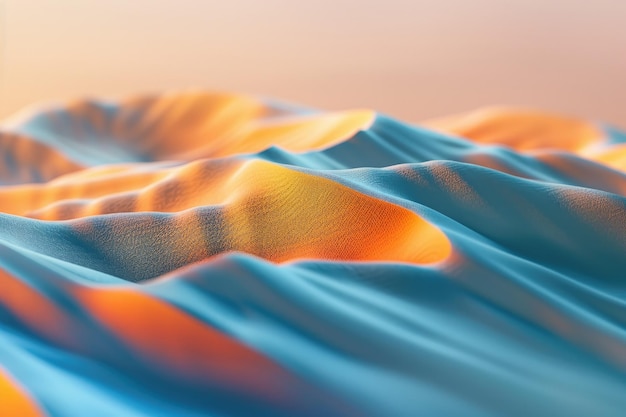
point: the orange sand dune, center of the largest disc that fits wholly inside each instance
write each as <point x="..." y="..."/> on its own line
<point x="264" y="210"/>
<point x="190" y="125"/>
<point x="522" y="130"/>
<point x="525" y="130"/>
<point x="14" y="402"/>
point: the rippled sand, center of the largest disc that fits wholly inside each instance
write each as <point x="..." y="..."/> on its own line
<point x="201" y="254"/>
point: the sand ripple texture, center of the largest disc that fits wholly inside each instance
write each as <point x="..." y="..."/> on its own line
<point x="203" y="254"/>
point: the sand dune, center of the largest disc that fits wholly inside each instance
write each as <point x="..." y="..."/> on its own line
<point x="203" y="254"/>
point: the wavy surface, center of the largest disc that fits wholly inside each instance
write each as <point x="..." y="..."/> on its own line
<point x="204" y="254"/>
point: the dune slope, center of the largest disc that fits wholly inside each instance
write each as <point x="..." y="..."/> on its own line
<point x="200" y="254"/>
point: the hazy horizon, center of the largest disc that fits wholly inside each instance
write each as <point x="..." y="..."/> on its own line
<point x="409" y="59"/>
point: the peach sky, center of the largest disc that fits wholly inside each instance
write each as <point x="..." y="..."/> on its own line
<point x="409" y="58"/>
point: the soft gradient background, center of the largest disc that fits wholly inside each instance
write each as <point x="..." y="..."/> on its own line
<point x="410" y="58"/>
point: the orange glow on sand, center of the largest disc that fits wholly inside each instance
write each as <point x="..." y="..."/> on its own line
<point x="522" y="130"/>
<point x="14" y="401"/>
<point x="264" y="211"/>
<point x="178" y="343"/>
<point x="321" y="244"/>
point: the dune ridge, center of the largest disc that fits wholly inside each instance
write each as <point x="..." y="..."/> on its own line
<point x="198" y="254"/>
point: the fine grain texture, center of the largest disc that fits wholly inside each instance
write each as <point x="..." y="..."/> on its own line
<point x="205" y="254"/>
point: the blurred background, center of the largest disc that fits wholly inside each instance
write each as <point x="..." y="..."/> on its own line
<point x="413" y="59"/>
